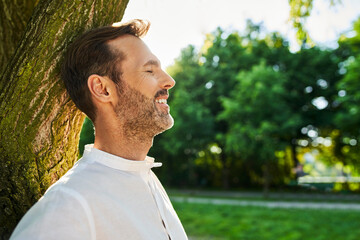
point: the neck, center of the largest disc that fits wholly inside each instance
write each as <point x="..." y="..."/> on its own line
<point x="121" y="142"/>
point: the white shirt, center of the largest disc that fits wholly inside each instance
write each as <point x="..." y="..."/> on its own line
<point x="103" y="197"/>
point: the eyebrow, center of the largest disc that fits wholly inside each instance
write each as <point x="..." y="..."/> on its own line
<point x="152" y="62"/>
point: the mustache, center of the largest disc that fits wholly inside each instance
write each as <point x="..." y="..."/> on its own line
<point x="162" y="92"/>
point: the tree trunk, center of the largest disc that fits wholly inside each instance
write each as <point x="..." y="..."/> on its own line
<point x="224" y="170"/>
<point x="267" y="179"/>
<point x="39" y="125"/>
<point x="14" y="16"/>
<point x="294" y="158"/>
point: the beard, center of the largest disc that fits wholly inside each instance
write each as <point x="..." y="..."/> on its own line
<point x="140" y="117"/>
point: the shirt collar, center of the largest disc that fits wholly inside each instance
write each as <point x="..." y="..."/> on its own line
<point x="117" y="162"/>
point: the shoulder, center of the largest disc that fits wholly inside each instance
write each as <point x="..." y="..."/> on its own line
<point x="62" y="213"/>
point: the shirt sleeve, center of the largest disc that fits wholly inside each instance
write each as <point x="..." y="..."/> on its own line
<point x="61" y="214"/>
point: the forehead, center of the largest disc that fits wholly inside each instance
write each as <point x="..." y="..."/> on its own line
<point x="135" y="50"/>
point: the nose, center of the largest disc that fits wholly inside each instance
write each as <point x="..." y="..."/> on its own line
<point x="168" y="82"/>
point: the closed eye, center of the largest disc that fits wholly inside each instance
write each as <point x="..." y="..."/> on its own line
<point x="149" y="71"/>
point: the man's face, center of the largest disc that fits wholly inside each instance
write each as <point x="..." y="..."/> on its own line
<point x="143" y="89"/>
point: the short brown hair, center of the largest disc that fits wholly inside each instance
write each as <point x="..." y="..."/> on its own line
<point x="90" y="54"/>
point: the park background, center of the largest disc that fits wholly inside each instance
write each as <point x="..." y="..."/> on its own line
<point x="266" y="109"/>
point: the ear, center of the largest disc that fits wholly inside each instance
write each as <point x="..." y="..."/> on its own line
<point x="101" y="88"/>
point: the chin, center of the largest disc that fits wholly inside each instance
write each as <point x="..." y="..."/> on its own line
<point x="165" y="124"/>
<point x="170" y="122"/>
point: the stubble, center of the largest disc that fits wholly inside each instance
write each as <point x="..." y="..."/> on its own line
<point x="141" y="119"/>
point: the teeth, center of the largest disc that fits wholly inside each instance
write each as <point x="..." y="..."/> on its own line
<point x="161" y="101"/>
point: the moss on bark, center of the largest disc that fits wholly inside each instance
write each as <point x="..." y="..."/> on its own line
<point x="14" y="16"/>
<point x="39" y="125"/>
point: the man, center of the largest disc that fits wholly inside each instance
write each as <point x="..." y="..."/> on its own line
<point x="111" y="192"/>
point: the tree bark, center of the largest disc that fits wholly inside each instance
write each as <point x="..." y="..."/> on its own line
<point x="39" y="125"/>
<point x="14" y="16"/>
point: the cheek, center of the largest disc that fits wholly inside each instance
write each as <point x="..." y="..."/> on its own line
<point x="149" y="87"/>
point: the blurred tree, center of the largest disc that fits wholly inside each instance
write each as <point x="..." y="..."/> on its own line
<point x="202" y="77"/>
<point x="349" y="46"/>
<point x="259" y="117"/>
<point x="313" y="74"/>
<point x="39" y="125"/>
<point x="300" y="10"/>
<point x="209" y="74"/>
<point x="349" y="97"/>
<point x="347" y="119"/>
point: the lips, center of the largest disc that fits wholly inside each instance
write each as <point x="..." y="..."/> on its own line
<point x="162" y="102"/>
<point x="162" y="99"/>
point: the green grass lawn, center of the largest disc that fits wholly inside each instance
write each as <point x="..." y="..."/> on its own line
<point x="202" y="221"/>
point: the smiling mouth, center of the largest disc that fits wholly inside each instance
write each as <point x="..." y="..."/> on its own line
<point x="162" y="104"/>
<point x="161" y="101"/>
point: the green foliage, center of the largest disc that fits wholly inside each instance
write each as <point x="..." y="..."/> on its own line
<point x="256" y="112"/>
<point x="198" y="139"/>
<point x="240" y="103"/>
<point x="347" y="118"/>
<point x="300" y="10"/>
<point x="350" y="46"/>
<point x="87" y="135"/>
<point x="349" y="97"/>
